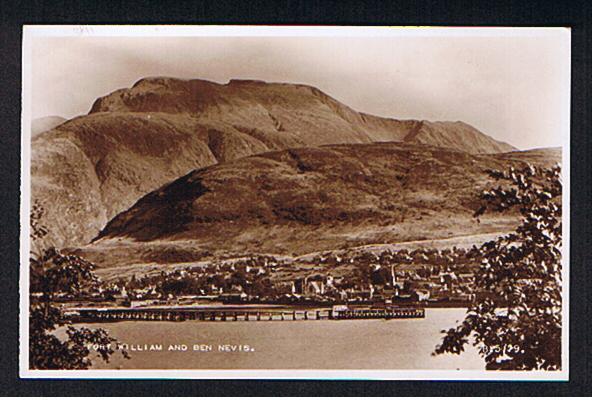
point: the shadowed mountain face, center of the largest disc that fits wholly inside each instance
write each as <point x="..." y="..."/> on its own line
<point x="313" y="199"/>
<point x="89" y="169"/>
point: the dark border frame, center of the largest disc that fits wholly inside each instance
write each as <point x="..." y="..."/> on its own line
<point x="577" y="15"/>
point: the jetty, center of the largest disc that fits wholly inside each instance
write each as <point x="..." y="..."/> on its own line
<point x="198" y="314"/>
<point x="117" y="314"/>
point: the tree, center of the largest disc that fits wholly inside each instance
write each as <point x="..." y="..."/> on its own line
<point x="516" y="318"/>
<point x="53" y="272"/>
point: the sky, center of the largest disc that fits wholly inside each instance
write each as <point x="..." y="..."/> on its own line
<point x="511" y="86"/>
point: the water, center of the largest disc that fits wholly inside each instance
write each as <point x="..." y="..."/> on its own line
<point x="350" y="344"/>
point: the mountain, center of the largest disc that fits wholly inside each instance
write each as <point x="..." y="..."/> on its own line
<point x="87" y="170"/>
<point x="284" y="115"/>
<point x="310" y="199"/>
<point x="40" y="125"/>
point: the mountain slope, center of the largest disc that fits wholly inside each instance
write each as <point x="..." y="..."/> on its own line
<point x="40" y="125"/>
<point x="134" y="140"/>
<point x="311" y="199"/>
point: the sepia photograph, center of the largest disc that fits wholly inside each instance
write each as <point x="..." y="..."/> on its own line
<point x="295" y="202"/>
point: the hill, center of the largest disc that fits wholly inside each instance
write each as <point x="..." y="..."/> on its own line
<point x="88" y="169"/>
<point x="40" y="125"/>
<point x="303" y="200"/>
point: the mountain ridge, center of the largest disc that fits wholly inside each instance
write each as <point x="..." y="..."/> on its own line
<point x="211" y="100"/>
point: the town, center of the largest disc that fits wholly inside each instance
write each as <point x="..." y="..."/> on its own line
<point x="427" y="277"/>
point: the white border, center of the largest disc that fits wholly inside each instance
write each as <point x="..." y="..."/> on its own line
<point x="30" y="31"/>
<point x="319" y="374"/>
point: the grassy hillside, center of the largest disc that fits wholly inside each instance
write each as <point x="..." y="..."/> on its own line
<point x="310" y="199"/>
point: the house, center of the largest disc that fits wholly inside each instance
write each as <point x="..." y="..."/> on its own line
<point x="358" y="294"/>
<point x="315" y="287"/>
<point x="298" y="286"/>
<point x="422" y="294"/>
<point x="233" y="297"/>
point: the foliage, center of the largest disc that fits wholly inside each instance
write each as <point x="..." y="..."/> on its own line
<point x="53" y="273"/>
<point x="47" y="351"/>
<point x="516" y="320"/>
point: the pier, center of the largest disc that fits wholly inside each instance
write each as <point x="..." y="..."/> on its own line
<point x="213" y="314"/>
<point x="179" y="314"/>
<point x="380" y="313"/>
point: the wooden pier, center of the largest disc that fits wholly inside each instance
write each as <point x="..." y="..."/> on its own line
<point x="236" y="314"/>
<point x="389" y="313"/>
<point x="173" y="314"/>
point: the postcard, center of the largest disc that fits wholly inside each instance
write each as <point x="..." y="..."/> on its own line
<point x="295" y="202"/>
